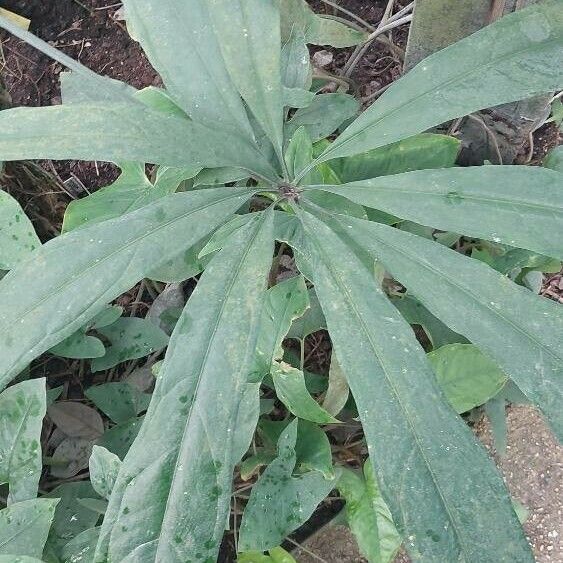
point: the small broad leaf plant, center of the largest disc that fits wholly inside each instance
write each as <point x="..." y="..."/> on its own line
<point x="250" y="162"/>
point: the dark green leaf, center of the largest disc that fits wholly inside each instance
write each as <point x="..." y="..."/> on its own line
<point x="416" y="314"/>
<point x="117" y="400"/>
<point x="71" y="517"/>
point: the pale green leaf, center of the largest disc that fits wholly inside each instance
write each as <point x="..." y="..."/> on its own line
<point x="467" y="377"/>
<point x="323" y="116"/>
<point x="250" y="42"/>
<point x="479" y="71"/>
<point x="289" y="383"/>
<point x="554" y="159"/>
<point x="515" y="205"/>
<point x="423" y="454"/>
<point x="279" y="503"/>
<point x="222" y="234"/>
<point x="179" y="41"/>
<point x="79" y="346"/>
<point x="295" y="64"/>
<point x="419" y="152"/>
<point x="284" y="302"/>
<point x="299" y="154"/>
<point x="131" y="338"/>
<point x="19" y="559"/>
<point x="44" y="298"/>
<point x="130" y="191"/>
<point x="296" y="97"/>
<point x="338" y="391"/>
<point x="312" y="320"/>
<point x="169" y="504"/>
<point x="124" y="133"/>
<point x="318" y="29"/>
<point x="81" y="548"/>
<point x="368" y="516"/>
<point x="24" y="527"/>
<point x="104" y="467"/>
<point x="118" y="400"/>
<point x="71" y="517"/>
<point x="520" y="331"/>
<point x="17" y="235"/>
<point x="313" y="449"/>
<point x="22" y="408"/>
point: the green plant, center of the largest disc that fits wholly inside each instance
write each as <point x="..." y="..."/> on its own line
<point x="234" y="72"/>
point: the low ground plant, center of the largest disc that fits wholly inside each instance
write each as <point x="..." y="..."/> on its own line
<point x="255" y="166"/>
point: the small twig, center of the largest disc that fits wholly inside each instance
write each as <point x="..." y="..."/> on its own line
<point x="556" y="97"/>
<point x="359" y="52"/>
<point x="490" y="134"/>
<point x="83" y="6"/>
<point x="110" y="7"/>
<point x="307" y="551"/>
<point x="337" y="6"/>
<point x="235" y="535"/>
<point x="375" y="94"/>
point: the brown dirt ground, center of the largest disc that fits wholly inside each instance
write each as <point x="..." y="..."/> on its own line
<point x="533" y="472"/>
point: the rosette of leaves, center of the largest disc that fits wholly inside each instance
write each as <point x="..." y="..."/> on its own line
<point x="236" y="107"/>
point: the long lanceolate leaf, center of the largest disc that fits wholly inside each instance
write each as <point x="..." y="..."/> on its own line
<point x="516" y="205"/>
<point x="171" y="500"/>
<point x="251" y="46"/>
<point x="477" y="72"/>
<point x="119" y="133"/>
<point x="521" y="331"/>
<point x="179" y="40"/>
<point x="71" y="278"/>
<point x="424" y="454"/>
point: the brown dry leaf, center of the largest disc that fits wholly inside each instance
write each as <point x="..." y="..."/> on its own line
<point x="76" y="420"/>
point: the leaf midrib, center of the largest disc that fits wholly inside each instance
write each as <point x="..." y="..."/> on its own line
<point x="201" y="368"/>
<point x="340" y="190"/>
<point x="451" y="281"/>
<point x="398" y="399"/>
<point x="433" y="90"/>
